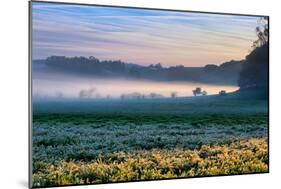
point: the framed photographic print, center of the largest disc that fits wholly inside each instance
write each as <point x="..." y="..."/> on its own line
<point x="122" y="94"/>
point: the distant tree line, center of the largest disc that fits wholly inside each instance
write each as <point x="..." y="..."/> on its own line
<point x="83" y="65"/>
<point x="226" y="73"/>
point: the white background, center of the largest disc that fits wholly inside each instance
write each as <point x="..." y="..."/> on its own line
<point x="14" y="93"/>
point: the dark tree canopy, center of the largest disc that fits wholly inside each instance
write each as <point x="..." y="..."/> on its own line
<point x="254" y="74"/>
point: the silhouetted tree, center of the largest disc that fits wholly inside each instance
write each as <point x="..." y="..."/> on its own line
<point x="173" y="94"/>
<point x="254" y="74"/>
<point x="262" y="33"/>
<point x="197" y="91"/>
<point x="204" y="93"/>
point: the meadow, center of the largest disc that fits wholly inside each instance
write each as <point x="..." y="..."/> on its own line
<point x="99" y="141"/>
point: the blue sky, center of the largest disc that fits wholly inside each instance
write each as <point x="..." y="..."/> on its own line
<point x="140" y="36"/>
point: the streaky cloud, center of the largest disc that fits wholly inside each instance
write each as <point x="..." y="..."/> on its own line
<point x="139" y="35"/>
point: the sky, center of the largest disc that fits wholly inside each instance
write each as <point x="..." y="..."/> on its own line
<point x="140" y="36"/>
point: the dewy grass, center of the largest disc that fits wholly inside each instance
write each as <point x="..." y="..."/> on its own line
<point x="244" y="156"/>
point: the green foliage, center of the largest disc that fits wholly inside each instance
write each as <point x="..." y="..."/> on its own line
<point x="244" y="156"/>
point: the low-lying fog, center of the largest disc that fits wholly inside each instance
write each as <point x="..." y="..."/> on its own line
<point x="49" y="84"/>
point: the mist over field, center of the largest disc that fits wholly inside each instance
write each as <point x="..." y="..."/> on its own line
<point x="48" y="83"/>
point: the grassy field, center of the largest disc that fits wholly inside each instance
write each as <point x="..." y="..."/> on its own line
<point x="76" y="142"/>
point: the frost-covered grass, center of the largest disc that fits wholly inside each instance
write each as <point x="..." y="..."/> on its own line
<point x="106" y="141"/>
<point x="236" y="158"/>
<point x="62" y="137"/>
